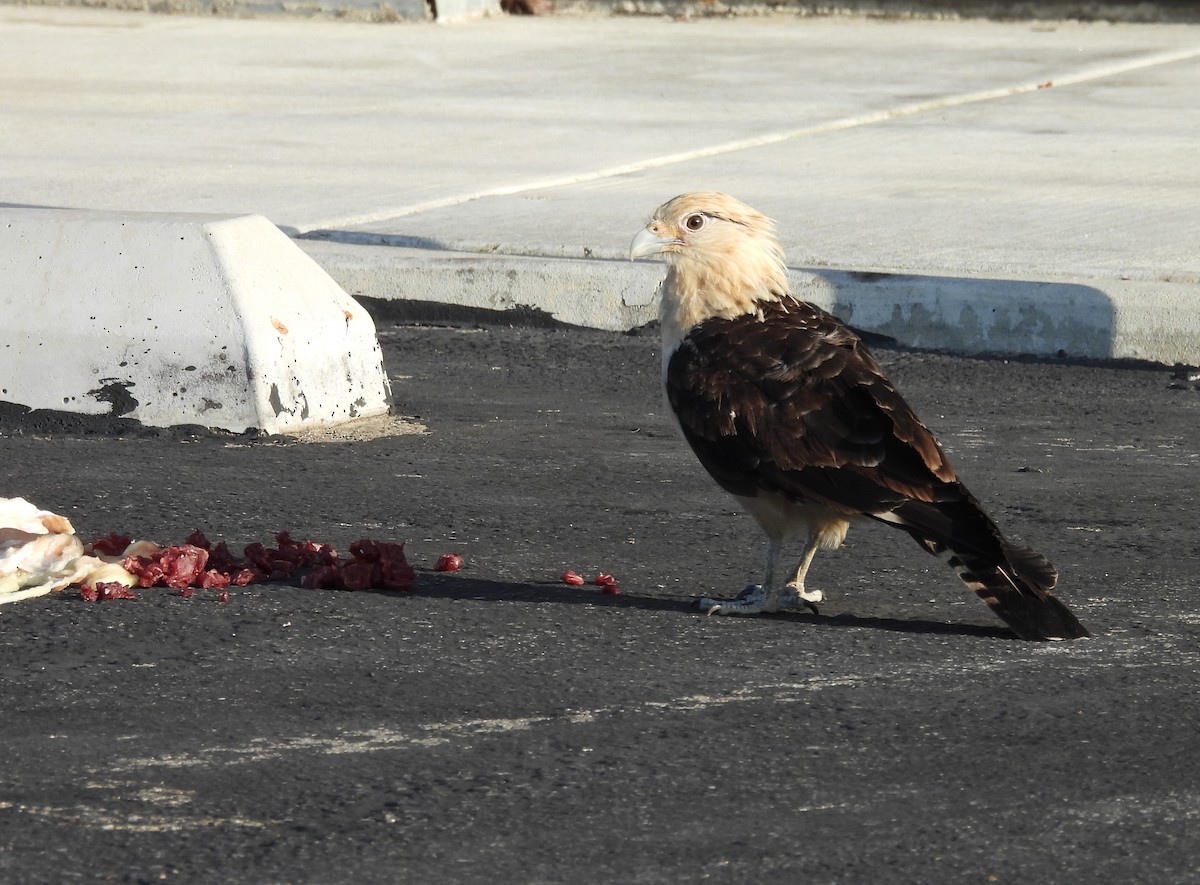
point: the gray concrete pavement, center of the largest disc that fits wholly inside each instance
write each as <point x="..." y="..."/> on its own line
<point x="1002" y="216"/>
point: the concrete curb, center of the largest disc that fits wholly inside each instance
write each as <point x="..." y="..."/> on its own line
<point x="1097" y="318"/>
<point x="598" y="294"/>
<point x="179" y="319"/>
<point x="1071" y="316"/>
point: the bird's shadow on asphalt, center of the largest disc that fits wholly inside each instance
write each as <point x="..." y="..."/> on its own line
<point x="462" y="587"/>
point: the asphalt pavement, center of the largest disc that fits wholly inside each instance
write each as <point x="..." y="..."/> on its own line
<point x="496" y="725"/>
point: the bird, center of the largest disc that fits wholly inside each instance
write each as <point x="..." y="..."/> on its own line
<point x="789" y="412"/>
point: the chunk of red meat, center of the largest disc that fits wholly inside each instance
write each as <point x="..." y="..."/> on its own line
<point x="257" y="556"/>
<point x="214" y="578"/>
<point x="113" y="590"/>
<point x="361" y="574"/>
<point x="113" y="545"/>
<point x="396" y="573"/>
<point x="245" y="576"/>
<point x="325" y="555"/>
<point x="366" y="549"/>
<point x="197" y="539"/>
<point x="323" y="577"/>
<point x="147" y="569"/>
<point x="183" y="565"/>
<point x="448" y="562"/>
<point x="221" y="559"/>
<point x="175" y="566"/>
<point x="304" y="553"/>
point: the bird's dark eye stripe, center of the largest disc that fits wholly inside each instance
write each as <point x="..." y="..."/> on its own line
<point x="717" y="217"/>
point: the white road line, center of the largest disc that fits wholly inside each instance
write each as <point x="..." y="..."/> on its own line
<point x="1084" y="75"/>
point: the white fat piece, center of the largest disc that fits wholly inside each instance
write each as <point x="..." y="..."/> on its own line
<point x="40" y="553"/>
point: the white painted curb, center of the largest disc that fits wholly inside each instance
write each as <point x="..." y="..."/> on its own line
<point x="1080" y="316"/>
<point x="614" y="295"/>
<point x="179" y="319"/>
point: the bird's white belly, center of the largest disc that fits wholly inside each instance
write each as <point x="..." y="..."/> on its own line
<point x="786" y="520"/>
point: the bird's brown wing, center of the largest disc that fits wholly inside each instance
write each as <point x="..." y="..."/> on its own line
<point x="791" y="402"/>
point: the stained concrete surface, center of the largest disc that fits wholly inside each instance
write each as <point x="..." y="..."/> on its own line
<point x="995" y="161"/>
<point x="496" y="725"/>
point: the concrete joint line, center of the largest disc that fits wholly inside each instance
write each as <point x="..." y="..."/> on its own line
<point x="1084" y="75"/>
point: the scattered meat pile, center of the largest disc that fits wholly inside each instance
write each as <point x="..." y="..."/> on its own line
<point x="196" y="563"/>
<point x="39" y="552"/>
<point x="606" y="582"/>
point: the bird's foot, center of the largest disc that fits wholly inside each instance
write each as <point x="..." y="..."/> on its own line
<point x="753" y="600"/>
<point x="800" y="596"/>
<point x="756" y="599"/>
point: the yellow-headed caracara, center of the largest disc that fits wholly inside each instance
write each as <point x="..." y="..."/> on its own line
<point x="792" y="416"/>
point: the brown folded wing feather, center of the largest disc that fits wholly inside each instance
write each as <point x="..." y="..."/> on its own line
<point x="793" y="403"/>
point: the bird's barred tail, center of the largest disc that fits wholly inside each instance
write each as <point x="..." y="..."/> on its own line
<point x="1016" y="586"/>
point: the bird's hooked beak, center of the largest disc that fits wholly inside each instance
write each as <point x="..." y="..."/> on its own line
<point x="647" y="242"/>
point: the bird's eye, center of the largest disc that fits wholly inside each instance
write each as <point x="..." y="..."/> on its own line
<point x="694" y="222"/>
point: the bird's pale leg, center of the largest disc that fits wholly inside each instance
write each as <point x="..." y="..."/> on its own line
<point x="795" y="587"/>
<point x="767" y="597"/>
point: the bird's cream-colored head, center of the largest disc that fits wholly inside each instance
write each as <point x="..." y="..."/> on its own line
<point x="723" y="259"/>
